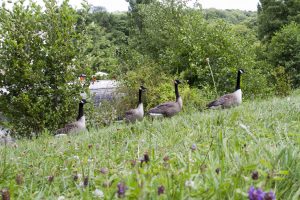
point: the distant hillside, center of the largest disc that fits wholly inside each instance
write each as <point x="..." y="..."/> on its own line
<point x="249" y="18"/>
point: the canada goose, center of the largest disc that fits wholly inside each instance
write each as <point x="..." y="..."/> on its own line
<point x="77" y="126"/>
<point x="137" y="113"/>
<point x="232" y="99"/>
<point x="168" y="109"/>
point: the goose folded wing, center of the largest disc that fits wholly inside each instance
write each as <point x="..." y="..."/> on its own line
<point x="164" y="108"/>
<point x="129" y="115"/>
<point x="68" y="128"/>
<point x="221" y="101"/>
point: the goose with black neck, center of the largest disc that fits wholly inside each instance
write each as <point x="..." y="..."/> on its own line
<point x="136" y="114"/>
<point x="232" y="99"/>
<point x="76" y="126"/>
<point x="168" y="109"/>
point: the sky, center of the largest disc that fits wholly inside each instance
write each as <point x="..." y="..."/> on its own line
<point x="122" y="5"/>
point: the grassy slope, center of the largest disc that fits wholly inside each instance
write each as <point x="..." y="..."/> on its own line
<point x="262" y="136"/>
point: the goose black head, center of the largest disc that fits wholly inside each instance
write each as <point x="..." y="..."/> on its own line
<point x="83" y="101"/>
<point x="177" y="81"/>
<point x="241" y="71"/>
<point x="143" y="88"/>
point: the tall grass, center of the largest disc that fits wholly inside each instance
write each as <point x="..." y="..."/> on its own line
<point x="200" y="155"/>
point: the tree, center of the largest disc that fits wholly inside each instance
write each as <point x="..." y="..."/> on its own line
<point x="179" y="39"/>
<point x="273" y="14"/>
<point x="284" y="51"/>
<point x="40" y="62"/>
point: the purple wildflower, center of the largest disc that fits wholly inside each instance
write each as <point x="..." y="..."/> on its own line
<point x="270" y="196"/>
<point x="255" y="194"/>
<point x="121" y="190"/>
<point x="146" y="157"/>
<point x="193" y="147"/>
<point x="104" y="170"/>
<point x="160" y="190"/>
<point x="254" y="175"/>
<point x="86" y="181"/>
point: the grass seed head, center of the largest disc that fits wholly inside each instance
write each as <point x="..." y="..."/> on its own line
<point x="50" y="179"/>
<point x="5" y="194"/>
<point x="86" y="181"/>
<point x="254" y="175"/>
<point x="19" y="179"/>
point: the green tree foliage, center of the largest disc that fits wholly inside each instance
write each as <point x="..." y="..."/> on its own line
<point x="273" y="14"/>
<point x="248" y="18"/>
<point x="284" y="50"/>
<point x="107" y="32"/>
<point x="179" y="40"/>
<point x="41" y="58"/>
<point x="136" y="19"/>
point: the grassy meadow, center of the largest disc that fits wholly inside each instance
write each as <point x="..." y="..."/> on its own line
<point x="214" y="154"/>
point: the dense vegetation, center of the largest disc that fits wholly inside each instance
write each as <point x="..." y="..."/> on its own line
<point x="201" y="154"/>
<point x="215" y="154"/>
<point x="155" y="42"/>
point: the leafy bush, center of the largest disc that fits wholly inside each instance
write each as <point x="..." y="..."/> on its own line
<point x="179" y="40"/>
<point x="285" y="51"/>
<point x="40" y="62"/>
<point x="282" y="81"/>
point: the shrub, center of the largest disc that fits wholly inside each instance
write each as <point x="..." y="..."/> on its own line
<point x="40" y="62"/>
<point x="285" y="51"/>
<point x="282" y="81"/>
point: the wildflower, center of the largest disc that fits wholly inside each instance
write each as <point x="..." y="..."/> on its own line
<point x="19" y="179"/>
<point x="166" y="158"/>
<point x="133" y="163"/>
<point x="50" y="179"/>
<point x="269" y="196"/>
<point x="76" y="157"/>
<point x="193" y="147"/>
<point x="190" y="184"/>
<point x="160" y="190"/>
<point x="146" y="157"/>
<point x="61" y="198"/>
<point x="98" y="193"/>
<point x="207" y="60"/>
<point x="75" y="177"/>
<point x="254" y="175"/>
<point x="104" y="170"/>
<point x="5" y="194"/>
<point x="121" y="190"/>
<point x="218" y="170"/>
<point x="255" y="194"/>
<point x="86" y="181"/>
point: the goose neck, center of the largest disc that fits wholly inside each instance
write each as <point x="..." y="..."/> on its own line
<point x="238" y="81"/>
<point x="176" y="91"/>
<point x="140" y="96"/>
<point x="80" y="111"/>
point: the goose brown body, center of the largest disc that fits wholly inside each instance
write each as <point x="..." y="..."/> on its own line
<point x="168" y="109"/>
<point x="231" y="99"/>
<point x="77" y="126"/>
<point x="136" y="114"/>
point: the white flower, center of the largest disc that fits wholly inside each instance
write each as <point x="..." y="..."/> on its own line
<point x="98" y="193"/>
<point x="81" y="184"/>
<point x="190" y="183"/>
<point x="61" y="198"/>
<point x="76" y="157"/>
